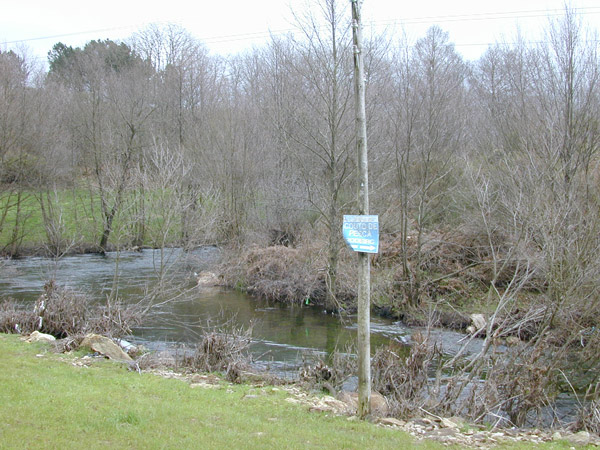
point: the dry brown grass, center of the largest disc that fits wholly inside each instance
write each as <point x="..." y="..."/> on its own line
<point x="329" y="373"/>
<point x="403" y="378"/>
<point x="15" y="317"/>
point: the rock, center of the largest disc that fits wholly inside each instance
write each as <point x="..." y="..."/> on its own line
<point x="207" y="279"/>
<point x="105" y="347"/>
<point x="580" y="438"/>
<point x="390" y="421"/>
<point x="332" y="403"/>
<point x="478" y="320"/>
<point x="442" y="434"/>
<point x="36" y="336"/>
<point x="556" y="436"/>
<point x="450" y="423"/>
<point x="379" y="406"/>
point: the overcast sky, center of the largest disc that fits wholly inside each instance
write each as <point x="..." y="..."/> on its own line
<point x="230" y="26"/>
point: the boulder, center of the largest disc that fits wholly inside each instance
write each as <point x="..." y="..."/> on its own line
<point x="580" y="438"/>
<point x="36" y="336"/>
<point x="105" y="347"/>
<point x="207" y="279"/>
<point x="379" y="406"/>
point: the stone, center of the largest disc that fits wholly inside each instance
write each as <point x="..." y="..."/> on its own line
<point x="334" y="404"/>
<point x="579" y="438"/>
<point x="105" y="347"/>
<point x="556" y="436"/>
<point x="442" y="434"/>
<point x="450" y="423"/>
<point x="478" y="320"/>
<point x="390" y="421"/>
<point x="207" y="279"/>
<point x="379" y="406"/>
<point x="36" y="336"/>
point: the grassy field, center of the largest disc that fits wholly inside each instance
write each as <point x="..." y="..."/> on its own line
<point x="48" y="402"/>
<point x="75" y="215"/>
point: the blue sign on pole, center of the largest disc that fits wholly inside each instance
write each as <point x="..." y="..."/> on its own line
<point x="361" y="233"/>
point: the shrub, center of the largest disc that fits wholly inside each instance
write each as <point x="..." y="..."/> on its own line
<point x="224" y="350"/>
<point x="65" y="313"/>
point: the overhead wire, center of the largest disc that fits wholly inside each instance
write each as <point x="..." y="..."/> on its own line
<point x="483" y="16"/>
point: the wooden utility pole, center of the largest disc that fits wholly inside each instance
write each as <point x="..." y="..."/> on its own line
<point x="364" y="275"/>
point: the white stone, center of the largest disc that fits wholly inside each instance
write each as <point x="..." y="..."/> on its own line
<point x="36" y="336"/>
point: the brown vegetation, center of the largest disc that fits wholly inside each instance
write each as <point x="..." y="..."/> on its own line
<point x="221" y="350"/>
<point x="64" y="313"/>
<point x="288" y="275"/>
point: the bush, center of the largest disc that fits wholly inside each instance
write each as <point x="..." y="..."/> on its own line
<point x="14" y="318"/>
<point x="277" y="273"/>
<point x="225" y="350"/>
<point x="65" y="313"/>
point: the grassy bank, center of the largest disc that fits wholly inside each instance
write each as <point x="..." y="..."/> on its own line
<point x="50" y="401"/>
<point x="36" y="221"/>
<point x="47" y="402"/>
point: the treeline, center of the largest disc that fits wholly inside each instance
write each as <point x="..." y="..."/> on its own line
<point x="157" y="142"/>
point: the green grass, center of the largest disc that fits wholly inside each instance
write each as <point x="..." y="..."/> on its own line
<point x="47" y="402"/>
<point x="80" y="216"/>
<point x="81" y="221"/>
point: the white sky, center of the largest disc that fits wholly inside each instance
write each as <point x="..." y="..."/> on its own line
<point x="230" y="26"/>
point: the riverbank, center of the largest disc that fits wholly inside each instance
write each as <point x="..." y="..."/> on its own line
<point x="56" y="401"/>
<point x="508" y="393"/>
<point x="534" y="348"/>
<point x="76" y="400"/>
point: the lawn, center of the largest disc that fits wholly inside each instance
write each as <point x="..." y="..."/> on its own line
<point x="49" y="401"/>
<point x="75" y="216"/>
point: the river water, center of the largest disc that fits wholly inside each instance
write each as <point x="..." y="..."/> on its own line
<point x="282" y="335"/>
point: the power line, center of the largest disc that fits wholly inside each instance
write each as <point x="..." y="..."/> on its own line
<point x="220" y="39"/>
<point x="522" y="14"/>
<point x="76" y="33"/>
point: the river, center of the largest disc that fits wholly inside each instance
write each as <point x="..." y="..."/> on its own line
<point x="282" y="334"/>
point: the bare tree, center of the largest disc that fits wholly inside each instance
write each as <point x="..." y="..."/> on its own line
<point x="426" y="131"/>
<point x="111" y="91"/>
<point x="22" y="128"/>
<point x="320" y="130"/>
<point x="190" y="88"/>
